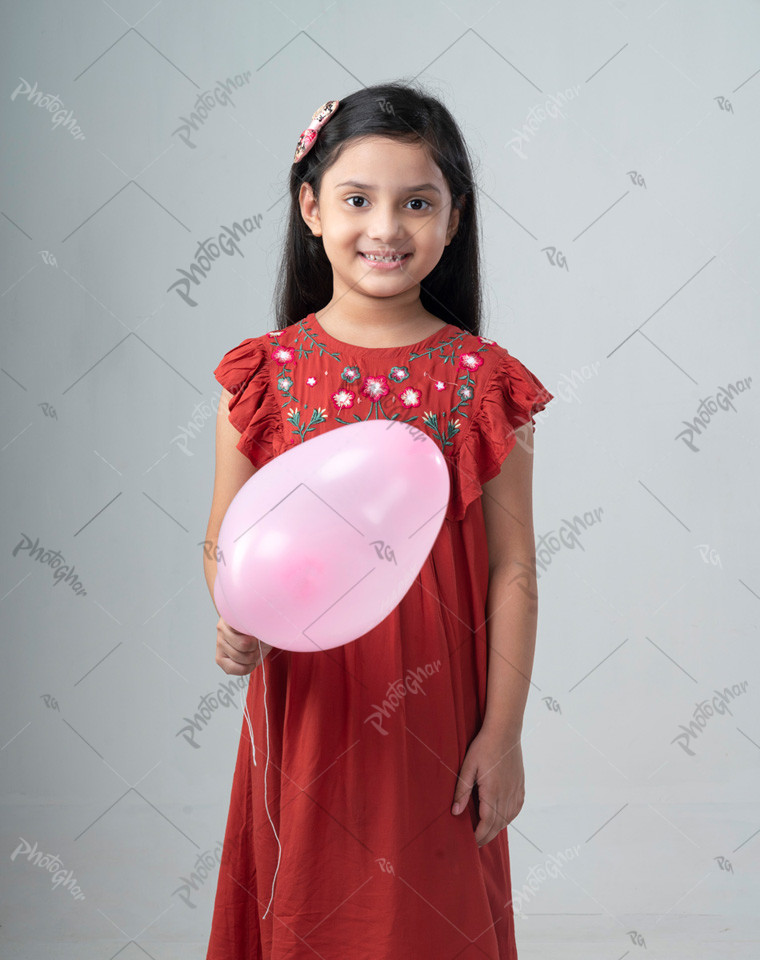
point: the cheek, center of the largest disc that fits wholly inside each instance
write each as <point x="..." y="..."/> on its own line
<point x="434" y="230"/>
<point x="342" y="233"/>
<point x="338" y="240"/>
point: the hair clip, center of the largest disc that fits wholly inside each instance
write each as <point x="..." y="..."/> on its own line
<point x="319" y="119"/>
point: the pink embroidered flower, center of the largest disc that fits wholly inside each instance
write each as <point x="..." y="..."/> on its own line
<point x="375" y="387"/>
<point x="470" y="361"/>
<point x="311" y="381"/>
<point x="437" y="384"/>
<point x="410" y="397"/>
<point x="398" y="374"/>
<point x="283" y="355"/>
<point x="465" y="392"/>
<point x="350" y="374"/>
<point x="284" y="383"/>
<point x="343" y="399"/>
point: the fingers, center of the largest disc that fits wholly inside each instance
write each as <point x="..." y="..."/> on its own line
<point x="496" y="803"/>
<point x="238" y="653"/>
<point x="464" y="789"/>
<point x="487" y="828"/>
<point x="490" y="823"/>
<point x="233" y="668"/>
<point x="492" y="820"/>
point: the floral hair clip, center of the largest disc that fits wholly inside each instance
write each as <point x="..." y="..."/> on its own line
<point x="319" y="119"/>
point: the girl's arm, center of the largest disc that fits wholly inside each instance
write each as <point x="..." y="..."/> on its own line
<point x="236" y="653"/>
<point x="512" y="604"/>
<point x="233" y="468"/>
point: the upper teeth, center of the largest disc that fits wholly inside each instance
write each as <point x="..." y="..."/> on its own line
<point x="371" y="256"/>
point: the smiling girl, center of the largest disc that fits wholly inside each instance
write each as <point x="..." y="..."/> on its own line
<point x="391" y="837"/>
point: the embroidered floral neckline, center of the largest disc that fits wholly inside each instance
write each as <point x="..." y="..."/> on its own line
<point x="312" y="325"/>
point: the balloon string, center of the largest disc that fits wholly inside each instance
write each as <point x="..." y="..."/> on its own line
<point x="451" y="383"/>
<point x="253" y="751"/>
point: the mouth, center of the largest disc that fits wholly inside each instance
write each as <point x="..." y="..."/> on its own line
<point x="376" y="260"/>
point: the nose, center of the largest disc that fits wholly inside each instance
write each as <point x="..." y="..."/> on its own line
<point x="385" y="223"/>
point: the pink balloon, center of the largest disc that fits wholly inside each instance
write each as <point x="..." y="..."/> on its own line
<point x="324" y="541"/>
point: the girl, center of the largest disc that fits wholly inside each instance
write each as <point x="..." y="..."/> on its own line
<point x="375" y="780"/>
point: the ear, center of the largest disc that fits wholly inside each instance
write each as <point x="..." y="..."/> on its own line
<point x="310" y="209"/>
<point x="453" y="221"/>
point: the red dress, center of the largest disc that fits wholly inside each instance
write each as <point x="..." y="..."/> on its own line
<point x="366" y="740"/>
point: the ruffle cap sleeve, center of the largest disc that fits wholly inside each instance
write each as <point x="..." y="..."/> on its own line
<point x="510" y="399"/>
<point x="253" y="411"/>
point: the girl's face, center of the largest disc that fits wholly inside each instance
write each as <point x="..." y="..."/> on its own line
<point x="381" y="196"/>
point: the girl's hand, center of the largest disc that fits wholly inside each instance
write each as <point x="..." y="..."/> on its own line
<point x="237" y="653"/>
<point x="498" y="770"/>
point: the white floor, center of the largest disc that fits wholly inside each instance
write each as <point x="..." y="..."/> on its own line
<point x="538" y="938"/>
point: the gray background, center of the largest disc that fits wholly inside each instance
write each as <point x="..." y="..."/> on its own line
<point x="645" y="185"/>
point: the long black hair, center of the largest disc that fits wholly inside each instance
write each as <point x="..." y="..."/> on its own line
<point x="452" y="290"/>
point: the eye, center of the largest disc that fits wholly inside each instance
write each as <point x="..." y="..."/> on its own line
<point x="364" y="200"/>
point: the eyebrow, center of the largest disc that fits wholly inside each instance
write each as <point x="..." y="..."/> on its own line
<point x="369" y="186"/>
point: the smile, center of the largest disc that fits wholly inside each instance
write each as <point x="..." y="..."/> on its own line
<point x="387" y="263"/>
